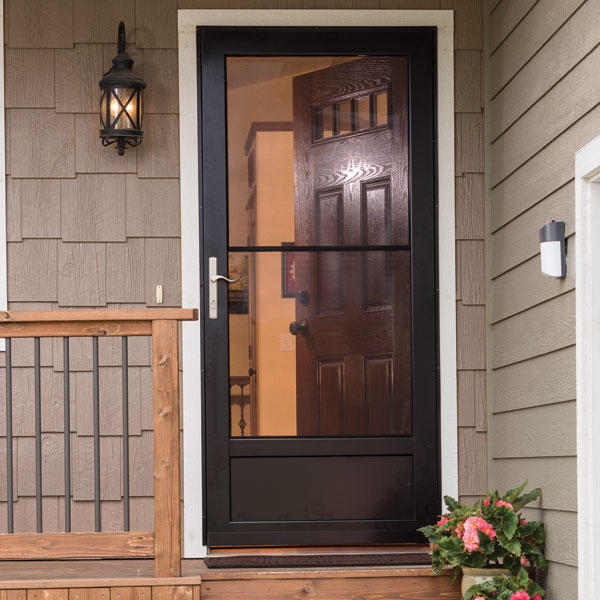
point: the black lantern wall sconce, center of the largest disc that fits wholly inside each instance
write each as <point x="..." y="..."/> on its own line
<point x="121" y="101"/>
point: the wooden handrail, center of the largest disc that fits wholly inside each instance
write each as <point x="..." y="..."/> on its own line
<point x="139" y="314"/>
<point x="162" y="325"/>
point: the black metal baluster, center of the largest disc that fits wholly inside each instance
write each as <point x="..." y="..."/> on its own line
<point x="9" y="440"/>
<point x="67" y="433"/>
<point x="242" y="422"/>
<point x="96" y="385"/>
<point x="125" y="379"/>
<point x="38" y="434"/>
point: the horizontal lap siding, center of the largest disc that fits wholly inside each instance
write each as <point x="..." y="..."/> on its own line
<point x="87" y="228"/>
<point x="541" y="62"/>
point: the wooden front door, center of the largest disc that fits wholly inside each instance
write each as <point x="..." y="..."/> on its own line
<point x="353" y="316"/>
<point x="323" y="140"/>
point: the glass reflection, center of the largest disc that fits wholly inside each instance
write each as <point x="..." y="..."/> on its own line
<point x="320" y="341"/>
<point x="311" y="358"/>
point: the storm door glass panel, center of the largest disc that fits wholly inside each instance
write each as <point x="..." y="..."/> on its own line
<point x="320" y="313"/>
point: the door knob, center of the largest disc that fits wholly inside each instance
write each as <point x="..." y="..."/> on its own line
<point x="298" y="328"/>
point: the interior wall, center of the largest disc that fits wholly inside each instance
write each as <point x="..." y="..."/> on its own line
<point x="87" y="228"/>
<point x="542" y="105"/>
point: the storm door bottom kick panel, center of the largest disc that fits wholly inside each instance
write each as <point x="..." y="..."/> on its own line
<point x="318" y="488"/>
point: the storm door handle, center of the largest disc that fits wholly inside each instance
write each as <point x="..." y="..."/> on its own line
<point x="213" y="278"/>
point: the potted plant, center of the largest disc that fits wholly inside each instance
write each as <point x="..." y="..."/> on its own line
<point x="506" y="588"/>
<point x="487" y="539"/>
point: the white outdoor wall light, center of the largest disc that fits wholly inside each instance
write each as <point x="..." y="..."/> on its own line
<point x="553" y="249"/>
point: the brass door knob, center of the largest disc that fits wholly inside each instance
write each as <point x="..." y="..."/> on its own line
<point x="298" y="328"/>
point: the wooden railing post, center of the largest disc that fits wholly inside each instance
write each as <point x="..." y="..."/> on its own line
<point x="167" y="508"/>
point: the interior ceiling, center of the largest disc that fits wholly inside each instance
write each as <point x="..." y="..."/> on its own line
<point x="249" y="70"/>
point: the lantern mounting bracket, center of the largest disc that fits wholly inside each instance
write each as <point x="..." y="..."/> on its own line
<point x="121" y="38"/>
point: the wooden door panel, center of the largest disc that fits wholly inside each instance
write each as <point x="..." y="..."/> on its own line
<point x="331" y="172"/>
<point x="350" y="192"/>
<point x="330" y="398"/>
<point x="379" y="394"/>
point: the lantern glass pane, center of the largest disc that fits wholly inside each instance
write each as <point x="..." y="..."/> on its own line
<point x="123" y="108"/>
<point x="103" y="124"/>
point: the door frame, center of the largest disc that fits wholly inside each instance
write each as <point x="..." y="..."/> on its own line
<point x="188" y="21"/>
<point x="587" y="284"/>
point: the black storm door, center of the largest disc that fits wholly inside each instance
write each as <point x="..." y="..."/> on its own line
<point x="320" y="352"/>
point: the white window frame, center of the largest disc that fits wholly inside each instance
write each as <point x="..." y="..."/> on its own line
<point x="587" y="282"/>
<point x="189" y="20"/>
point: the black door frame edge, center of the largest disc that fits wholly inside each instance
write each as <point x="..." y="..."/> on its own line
<point x="388" y="43"/>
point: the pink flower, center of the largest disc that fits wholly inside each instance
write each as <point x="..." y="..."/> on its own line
<point x="502" y="503"/>
<point x="487" y="503"/>
<point x="523" y="595"/>
<point x="522" y="522"/>
<point x="443" y="521"/>
<point x="479" y="598"/>
<point x="471" y="537"/>
<point x="524" y="561"/>
<point x="537" y="597"/>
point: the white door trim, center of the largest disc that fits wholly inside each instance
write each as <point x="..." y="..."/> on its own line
<point x="189" y="20"/>
<point x="587" y="282"/>
<point x="3" y="141"/>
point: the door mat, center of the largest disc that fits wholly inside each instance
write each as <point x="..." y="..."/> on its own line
<point x="384" y="559"/>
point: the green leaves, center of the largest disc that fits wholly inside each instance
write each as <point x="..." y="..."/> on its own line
<point x="509" y="520"/>
<point x="513" y="546"/>
<point x="513" y="494"/>
<point x="452" y="504"/>
<point x="491" y="532"/>
<point x="502" y="588"/>
<point x="525" y="499"/>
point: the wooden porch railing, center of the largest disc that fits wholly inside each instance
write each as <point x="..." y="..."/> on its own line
<point x="164" y="544"/>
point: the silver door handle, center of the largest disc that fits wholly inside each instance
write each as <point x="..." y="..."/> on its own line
<point x="213" y="277"/>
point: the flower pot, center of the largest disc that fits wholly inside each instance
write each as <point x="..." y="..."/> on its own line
<point x="472" y="576"/>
